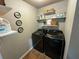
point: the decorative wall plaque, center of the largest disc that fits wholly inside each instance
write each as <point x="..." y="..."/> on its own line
<point x="18" y="22"/>
<point x="17" y="15"/>
<point x="20" y="30"/>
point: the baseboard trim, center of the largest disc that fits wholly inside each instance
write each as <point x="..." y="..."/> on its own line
<point x="25" y="53"/>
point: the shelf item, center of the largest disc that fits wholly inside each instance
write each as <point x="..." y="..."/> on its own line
<point x="50" y="11"/>
<point x="4" y="10"/>
<point x="7" y="33"/>
<point x="41" y="20"/>
<point x="62" y="19"/>
<point x="59" y="19"/>
<point x="59" y="15"/>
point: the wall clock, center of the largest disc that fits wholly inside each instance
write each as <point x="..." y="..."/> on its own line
<point x="17" y="15"/>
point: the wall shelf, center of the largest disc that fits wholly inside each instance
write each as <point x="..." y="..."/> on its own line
<point x="62" y="19"/>
<point x="7" y="33"/>
<point x="59" y="19"/>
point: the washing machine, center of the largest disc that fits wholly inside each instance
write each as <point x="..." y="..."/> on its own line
<point x="54" y="43"/>
<point x="49" y="41"/>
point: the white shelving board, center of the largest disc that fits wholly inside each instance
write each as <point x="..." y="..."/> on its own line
<point x="7" y="33"/>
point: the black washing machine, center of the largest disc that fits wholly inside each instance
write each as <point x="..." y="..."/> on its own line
<point x="49" y="41"/>
<point x="54" y="44"/>
<point x="37" y="40"/>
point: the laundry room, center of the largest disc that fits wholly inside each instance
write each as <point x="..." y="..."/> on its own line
<point x="36" y="29"/>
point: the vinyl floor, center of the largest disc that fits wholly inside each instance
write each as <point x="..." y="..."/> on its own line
<point x="34" y="54"/>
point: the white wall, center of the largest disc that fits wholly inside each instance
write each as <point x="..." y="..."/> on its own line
<point x="60" y="7"/>
<point x="73" y="51"/>
<point x="69" y="23"/>
<point x="13" y="46"/>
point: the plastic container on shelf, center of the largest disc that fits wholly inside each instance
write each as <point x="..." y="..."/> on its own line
<point x="4" y="26"/>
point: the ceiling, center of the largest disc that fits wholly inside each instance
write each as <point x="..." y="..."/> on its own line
<point x="41" y="3"/>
